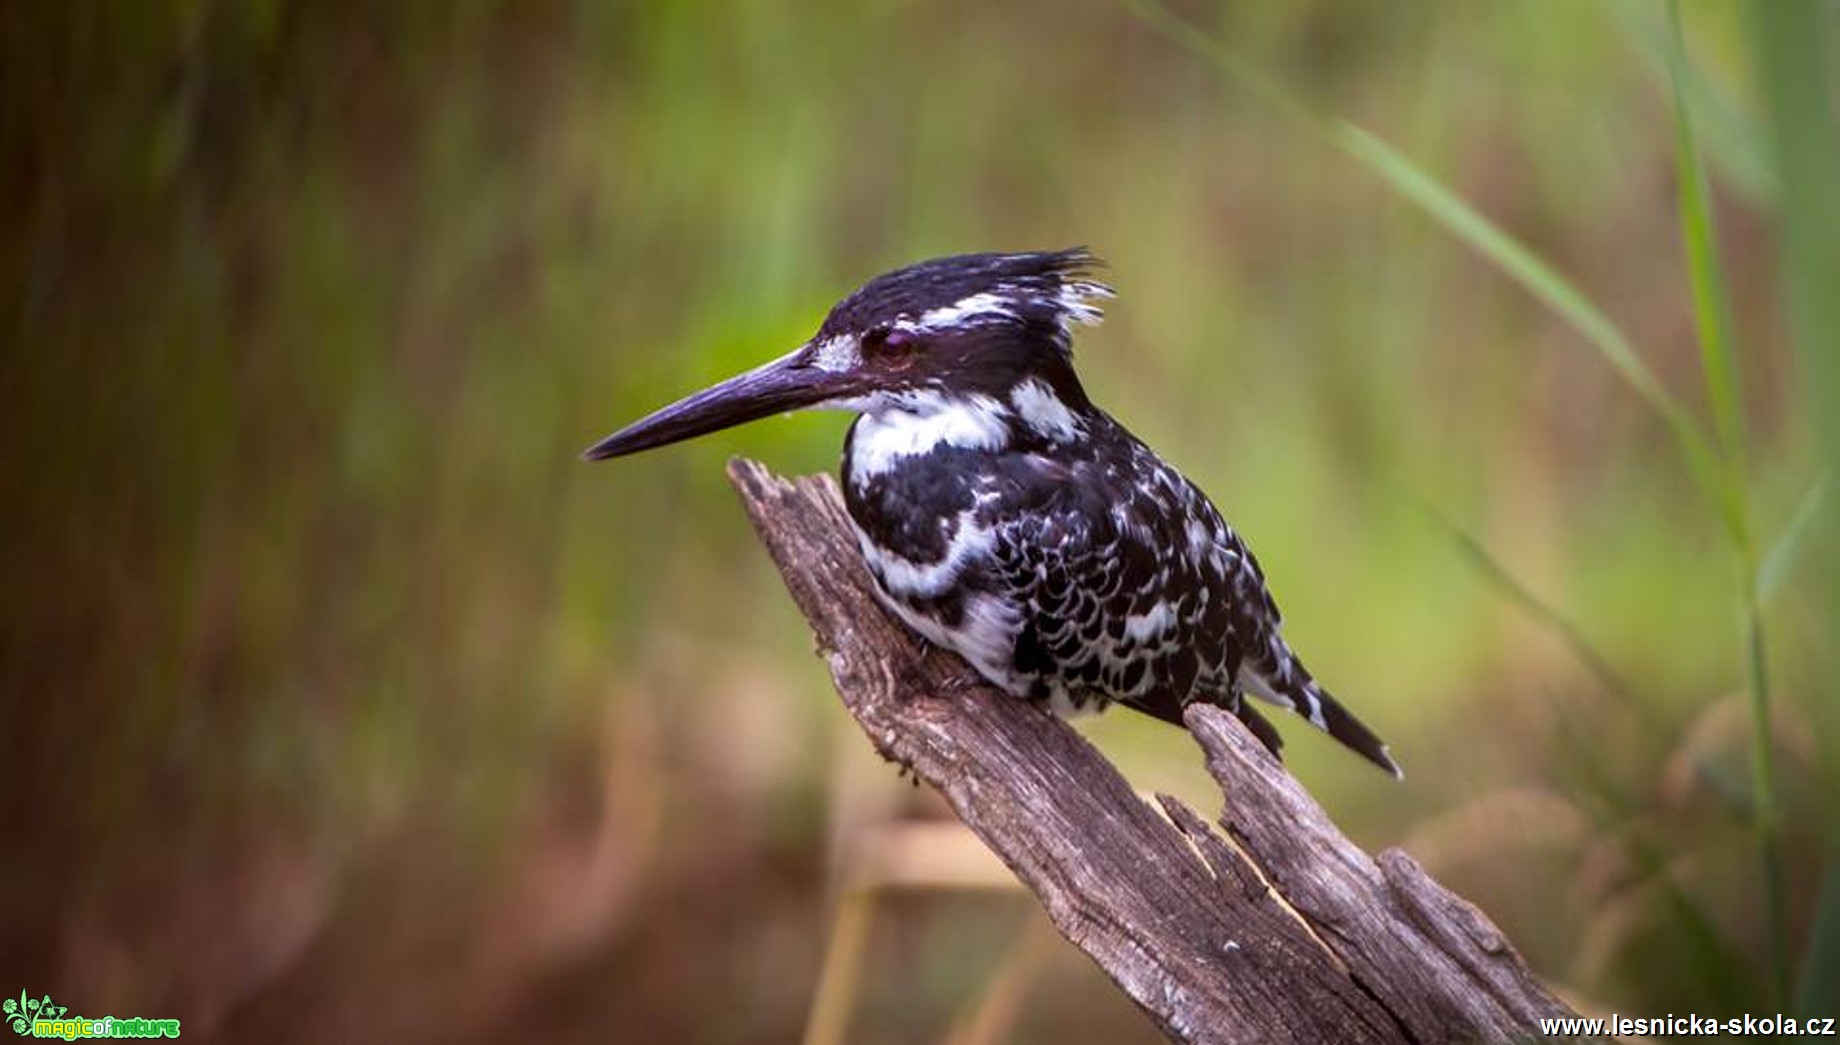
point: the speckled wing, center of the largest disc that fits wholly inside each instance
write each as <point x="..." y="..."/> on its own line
<point x="1129" y="586"/>
<point x="1115" y="601"/>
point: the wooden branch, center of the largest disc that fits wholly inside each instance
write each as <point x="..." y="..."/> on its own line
<point x="1287" y="933"/>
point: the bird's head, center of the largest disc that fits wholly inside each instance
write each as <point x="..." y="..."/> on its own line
<point x="965" y="325"/>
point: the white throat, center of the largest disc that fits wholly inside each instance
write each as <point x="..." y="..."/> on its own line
<point x="912" y="424"/>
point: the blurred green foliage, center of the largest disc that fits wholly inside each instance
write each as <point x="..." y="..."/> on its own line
<point x="335" y="685"/>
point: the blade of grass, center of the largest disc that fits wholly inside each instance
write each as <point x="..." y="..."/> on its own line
<point x="1730" y="139"/>
<point x="1526" y="268"/>
<point x="1792" y="71"/>
<point x="1711" y="310"/>
<point x="1818" y="993"/>
<point x="1537" y="609"/>
<point x="1712" y="320"/>
<point x="1550" y="617"/>
<point x="1767" y="819"/>
<point x="1782" y="551"/>
<point x="1790" y="59"/>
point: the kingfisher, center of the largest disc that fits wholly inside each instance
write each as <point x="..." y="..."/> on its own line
<point x="1005" y="517"/>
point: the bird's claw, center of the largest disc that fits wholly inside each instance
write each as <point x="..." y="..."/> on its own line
<point x="957" y="683"/>
<point x="904" y="770"/>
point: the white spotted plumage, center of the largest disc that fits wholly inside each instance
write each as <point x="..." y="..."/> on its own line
<point x="1038" y="407"/>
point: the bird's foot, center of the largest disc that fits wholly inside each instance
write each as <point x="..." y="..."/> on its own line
<point x="958" y="682"/>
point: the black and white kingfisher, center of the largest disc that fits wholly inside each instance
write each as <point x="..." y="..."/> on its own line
<point x="1005" y="517"/>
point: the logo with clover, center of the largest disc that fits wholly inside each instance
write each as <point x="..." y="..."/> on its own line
<point x="21" y="1011"/>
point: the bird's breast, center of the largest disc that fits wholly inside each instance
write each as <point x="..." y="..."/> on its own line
<point x="916" y="515"/>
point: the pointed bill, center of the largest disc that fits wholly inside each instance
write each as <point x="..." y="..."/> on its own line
<point x="792" y="382"/>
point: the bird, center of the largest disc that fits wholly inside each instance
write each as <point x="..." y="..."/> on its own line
<point x="1004" y="516"/>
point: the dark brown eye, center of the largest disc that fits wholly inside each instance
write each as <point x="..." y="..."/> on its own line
<point x="888" y="344"/>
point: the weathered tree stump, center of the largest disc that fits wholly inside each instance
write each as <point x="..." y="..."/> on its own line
<point x="1287" y="933"/>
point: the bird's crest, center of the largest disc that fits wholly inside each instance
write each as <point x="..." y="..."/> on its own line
<point x="1048" y="292"/>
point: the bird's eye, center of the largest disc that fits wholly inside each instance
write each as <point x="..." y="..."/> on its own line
<point x="888" y="344"/>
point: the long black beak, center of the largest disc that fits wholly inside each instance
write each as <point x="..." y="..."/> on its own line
<point x="790" y="382"/>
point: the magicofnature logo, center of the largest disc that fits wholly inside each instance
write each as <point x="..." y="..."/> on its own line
<point x="44" y="1018"/>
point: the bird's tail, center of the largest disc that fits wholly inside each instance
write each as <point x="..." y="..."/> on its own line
<point x="1299" y="692"/>
<point x="1341" y="724"/>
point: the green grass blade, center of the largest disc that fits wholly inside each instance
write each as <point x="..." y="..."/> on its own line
<point x="1817" y="991"/>
<point x="1526" y="268"/>
<point x="1788" y="41"/>
<point x="1536" y="608"/>
<point x="1730" y="138"/>
<point x="1791" y="59"/>
<point x="1780" y="556"/>
<point x="1711" y="308"/>
<point x="1520" y="263"/>
<point x="1766" y="820"/>
<point x="1712" y="320"/>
